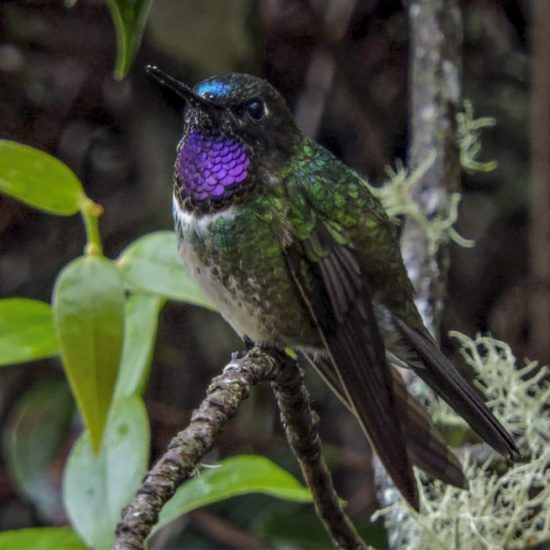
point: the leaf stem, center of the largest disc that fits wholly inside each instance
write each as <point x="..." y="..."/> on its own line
<point x="90" y="212"/>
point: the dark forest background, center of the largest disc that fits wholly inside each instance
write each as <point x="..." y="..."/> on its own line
<point x="343" y="67"/>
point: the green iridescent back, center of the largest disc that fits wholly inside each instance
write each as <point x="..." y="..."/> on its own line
<point x="320" y="188"/>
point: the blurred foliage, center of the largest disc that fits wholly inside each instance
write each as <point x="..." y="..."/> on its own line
<point x="152" y="264"/>
<point x="129" y="17"/>
<point x="38" y="179"/>
<point x="37" y="427"/>
<point x="41" y="538"/>
<point x="26" y="331"/>
<point x="88" y="309"/>
<point x="217" y="37"/>
<point x="97" y="485"/>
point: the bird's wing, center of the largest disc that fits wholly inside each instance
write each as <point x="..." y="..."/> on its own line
<point x="334" y="290"/>
<point x="327" y="190"/>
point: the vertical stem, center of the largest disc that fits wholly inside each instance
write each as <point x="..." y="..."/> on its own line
<point x="539" y="242"/>
<point x="435" y="82"/>
<point x="300" y="423"/>
<point x="90" y="212"/>
<point x="435" y="91"/>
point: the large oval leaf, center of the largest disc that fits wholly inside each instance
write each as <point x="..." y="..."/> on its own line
<point x="26" y="331"/>
<point x="129" y="17"/>
<point x="38" y="427"/>
<point x="41" y="538"/>
<point x="97" y="487"/>
<point x="88" y="305"/>
<point x="140" y="330"/>
<point x="38" y="179"/>
<point x="237" y="475"/>
<point x="152" y="264"/>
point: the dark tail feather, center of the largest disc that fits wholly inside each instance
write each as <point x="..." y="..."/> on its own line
<point x="425" y="445"/>
<point x="445" y="381"/>
<point x="371" y="400"/>
<point x="341" y="307"/>
<point x="405" y="482"/>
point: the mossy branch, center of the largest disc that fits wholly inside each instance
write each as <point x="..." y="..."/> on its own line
<point x="436" y="38"/>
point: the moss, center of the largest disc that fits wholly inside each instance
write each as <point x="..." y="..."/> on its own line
<point x="506" y="510"/>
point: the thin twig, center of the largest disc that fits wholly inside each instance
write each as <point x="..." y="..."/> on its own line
<point x="190" y="445"/>
<point x="300" y="423"/>
<point x="220" y="404"/>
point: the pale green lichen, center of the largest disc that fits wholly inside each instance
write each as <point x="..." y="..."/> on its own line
<point x="396" y="195"/>
<point x="500" y="511"/>
<point x="469" y="139"/>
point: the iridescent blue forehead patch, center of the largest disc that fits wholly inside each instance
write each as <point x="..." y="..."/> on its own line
<point x="213" y="88"/>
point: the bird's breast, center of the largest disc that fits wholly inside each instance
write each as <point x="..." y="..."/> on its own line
<point x="236" y="256"/>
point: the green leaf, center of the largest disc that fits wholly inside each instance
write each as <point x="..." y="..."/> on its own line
<point x="37" y="428"/>
<point x="41" y="538"/>
<point x="237" y="475"/>
<point x="129" y="17"/>
<point x="152" y="264"/>
<point x="140" y="330"/>
<point x="88" y="306"/>
<point x="97" y="487"/>
<point x="26" y="331"/>
<point x="38" y="179"/>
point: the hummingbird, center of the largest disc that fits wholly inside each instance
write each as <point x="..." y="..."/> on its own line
<point x="296" y="252"/>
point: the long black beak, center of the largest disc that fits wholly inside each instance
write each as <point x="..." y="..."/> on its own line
<point x="179" y="88"/>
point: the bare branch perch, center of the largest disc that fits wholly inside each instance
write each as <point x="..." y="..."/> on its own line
<point x="190" y="445"/>
<point x="300" y="423"/>
<point x="220" y="404"/>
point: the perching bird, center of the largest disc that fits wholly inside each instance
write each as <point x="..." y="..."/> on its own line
<point x="295" y="251"/>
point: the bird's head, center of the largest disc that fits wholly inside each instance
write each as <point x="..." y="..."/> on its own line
<point x="238" y="135"/>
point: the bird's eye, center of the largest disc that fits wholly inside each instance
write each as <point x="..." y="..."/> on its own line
<point x="255" y="109"/>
